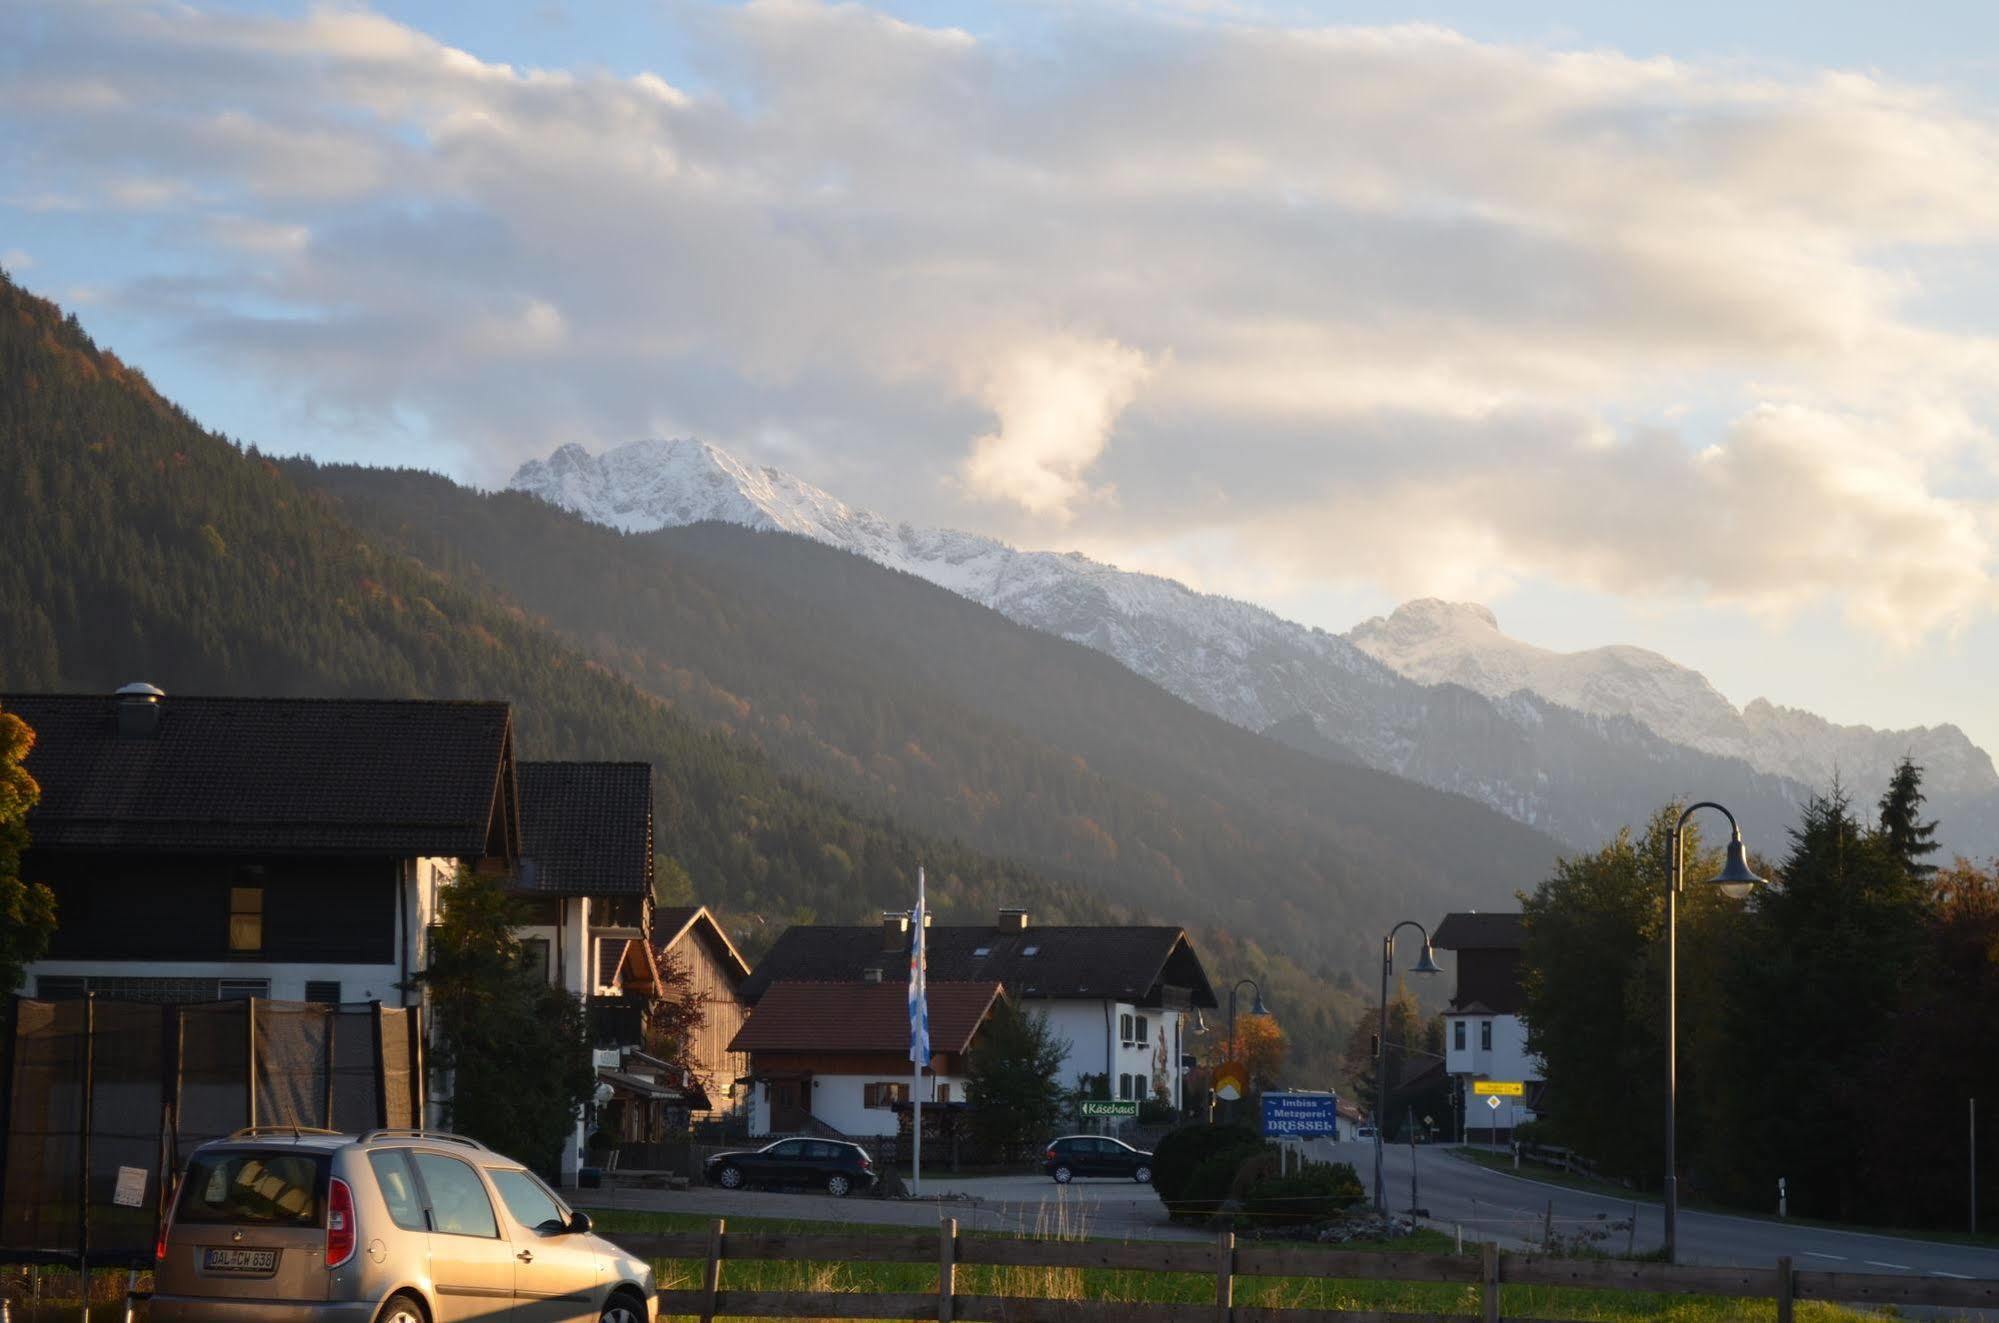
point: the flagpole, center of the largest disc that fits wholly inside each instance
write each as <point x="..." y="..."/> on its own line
<point x="919" y="1032"/>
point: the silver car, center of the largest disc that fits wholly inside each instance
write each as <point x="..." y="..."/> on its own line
<point x="392" y="1226"/>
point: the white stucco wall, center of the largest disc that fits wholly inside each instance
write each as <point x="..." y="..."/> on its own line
<point x="1093" y="1050"/>
<point x="1507" y="1059"/>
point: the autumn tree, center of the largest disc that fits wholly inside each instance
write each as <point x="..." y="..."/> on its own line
<point x="1259" y="1044"/>
<point x="27" y="909"/>
<point x="675" y="1019"/>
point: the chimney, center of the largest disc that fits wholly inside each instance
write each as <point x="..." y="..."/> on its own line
<point x="1012" y="921"/>
<point x="895" y="930"/>
<point x="872" y="974"/>
<point x="138" y="710"/>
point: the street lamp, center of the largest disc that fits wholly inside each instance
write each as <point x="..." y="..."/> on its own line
<point x="1256" y="1008"/>
<point x="1425" y="964"/>
<point x="1735" y="881"/>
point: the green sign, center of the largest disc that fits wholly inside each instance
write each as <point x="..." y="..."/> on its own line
<point x="1104" y="1107"/>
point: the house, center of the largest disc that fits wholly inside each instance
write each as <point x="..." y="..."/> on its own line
<point x="689" y="937"/>
<point x="206" y="849"/>
<point x="838" y="1053"/>
<point x="1485" y="1037"/>
<point x="1120" y="996"/>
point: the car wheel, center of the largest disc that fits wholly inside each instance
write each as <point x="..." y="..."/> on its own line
<point x="622" y="1308"/>
<point x="730" y="1178"/>
<point x="838" y="1185"/>
<point x="401" y="1308"/>
<point x="1063" y="1175"/>
<point x="1143" y="1174"/>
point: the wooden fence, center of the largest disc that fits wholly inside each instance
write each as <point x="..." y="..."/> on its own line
<point x="1227" y="1263"/>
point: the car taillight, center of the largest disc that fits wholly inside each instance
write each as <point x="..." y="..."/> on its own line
<point x="867" y="1163"/>
<point x="1049" y="1155"/>
<point x="339" y="1224"/>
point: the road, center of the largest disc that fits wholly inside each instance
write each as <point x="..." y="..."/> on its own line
<point x="1512" y="1210"/>
<point x="1487" y="1204"/>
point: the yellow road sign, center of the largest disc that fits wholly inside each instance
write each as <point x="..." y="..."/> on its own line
<point x="1231" y="1081"/>
<point x="1501" y="1088"/>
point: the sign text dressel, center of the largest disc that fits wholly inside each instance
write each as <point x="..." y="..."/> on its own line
<point x="1300" y="1114"/>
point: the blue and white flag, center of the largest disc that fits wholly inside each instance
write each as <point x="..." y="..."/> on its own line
<point x="919" y="1000"/>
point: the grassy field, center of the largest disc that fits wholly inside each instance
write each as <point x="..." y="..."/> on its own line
<point x="1135" y="1287"/>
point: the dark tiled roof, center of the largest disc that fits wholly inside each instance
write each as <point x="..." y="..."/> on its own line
<point x="1479" y="932"/>
<point x="587" y="828"/>
<point x="861" y="1017"/>
<point x="262" y="775"/>
<point x="1122" y="963"/>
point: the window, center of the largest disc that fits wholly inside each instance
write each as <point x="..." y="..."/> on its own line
<point x="528" y="1200"/>
<point x="982" y="952"/>
<point x="253" y="1189"/>
<point x="789" y="1148"/>
<point x="1458" y="1035"/>
<point x="883" y="1094"/>
<point x="943" y="1093"/>
<point x="458" y="1202"/>
<point x="322" y="992"/>
<point x="1126" y="1085"/>
<point x="392" y="1174"/>
<point x="246" y="918"/>
<point x="1031" y="951"/>
<point x="242" y="989"/>
<point x="534" y="954"/>
<point x="1485" y="1035"/>
<point x="1143" y="1026"/>
<point x="1124" y="1029"/>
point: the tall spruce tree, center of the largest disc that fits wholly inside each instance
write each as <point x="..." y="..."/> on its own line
<point x="1901" y="819"/>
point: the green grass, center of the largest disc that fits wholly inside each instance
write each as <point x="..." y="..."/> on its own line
<point x="1195" y="1288"/>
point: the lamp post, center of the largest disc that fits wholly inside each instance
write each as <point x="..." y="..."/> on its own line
<point x="1425" y="964"/>
<point x="1256" y="1008"/>
<point x="1735" y="881"/>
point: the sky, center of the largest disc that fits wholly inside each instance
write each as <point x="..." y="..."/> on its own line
<point x="1665" y="325"/>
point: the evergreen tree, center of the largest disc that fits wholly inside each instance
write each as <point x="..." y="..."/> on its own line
<point x="514" y="1047"/>
<point x="27" y="909"/>
<point x="1901" y="821"/>
<point x="1010" y="1079"/>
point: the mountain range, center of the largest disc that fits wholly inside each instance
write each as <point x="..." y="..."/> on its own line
<point x="1576" y="744"/>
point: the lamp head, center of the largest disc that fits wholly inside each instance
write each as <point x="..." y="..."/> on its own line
<point x="1735" y="879"/>
<point x="1426" y="963"/>
<point x="1259" y="1008"/>
<point x="1200" y="1021"/>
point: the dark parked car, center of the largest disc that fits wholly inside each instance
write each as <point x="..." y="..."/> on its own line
<point x="831" y="1165"/>
<point x="1095" y="1155"/>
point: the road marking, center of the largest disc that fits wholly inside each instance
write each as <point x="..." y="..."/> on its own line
<point x="1876" y="1263"/>
<point x="1962" y="1277"/>
<point x="1814" y="1254"/>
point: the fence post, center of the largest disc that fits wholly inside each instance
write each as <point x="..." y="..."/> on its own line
<point x="947" y="1267"/>
<point x="1786" y="1286"/>
<point x="711" y="1276"/>
<point x="1489" y="1281"/>
<point x="1548" y="1229"/>
<point x="1225" y="1276"/>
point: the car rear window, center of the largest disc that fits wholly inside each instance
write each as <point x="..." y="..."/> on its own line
<point x="254" y="1189"/>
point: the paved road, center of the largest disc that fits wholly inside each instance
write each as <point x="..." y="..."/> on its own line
<point x="1033" y="1205"/>
<point x="1494" y="1205"/>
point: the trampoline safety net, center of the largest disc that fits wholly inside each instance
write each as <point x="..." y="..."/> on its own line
<point x="104" y="1099"/>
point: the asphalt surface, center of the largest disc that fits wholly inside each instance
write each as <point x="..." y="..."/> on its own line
<point x="1514" y="1211"/>
<point x="1453" y="1192"/>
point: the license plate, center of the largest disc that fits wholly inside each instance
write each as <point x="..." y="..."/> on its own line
<point x="241" y="1260"/>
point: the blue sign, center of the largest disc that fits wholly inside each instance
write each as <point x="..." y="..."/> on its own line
<point x="1300" y="1115"/>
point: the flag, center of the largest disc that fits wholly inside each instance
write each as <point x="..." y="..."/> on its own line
<point x="919" y="1001"/>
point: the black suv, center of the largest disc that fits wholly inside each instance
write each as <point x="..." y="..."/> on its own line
<point x="1095" y="1155"/>
<point x="831" y="1165"/>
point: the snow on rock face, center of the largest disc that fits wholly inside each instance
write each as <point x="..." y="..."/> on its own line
<point x="1437" y="642"/>
<point x="1371" y="693"/>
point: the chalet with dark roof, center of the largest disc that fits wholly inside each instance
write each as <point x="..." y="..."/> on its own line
<point x="839" y="1052"/>
<point x="209" y="848"/>
<point x="1120" y="996"/>
<point x="1485" y="1037"/>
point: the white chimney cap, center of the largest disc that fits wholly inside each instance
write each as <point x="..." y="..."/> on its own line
<point x="140" y="689"/>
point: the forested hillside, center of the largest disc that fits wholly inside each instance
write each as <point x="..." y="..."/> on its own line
<point x="911" y="700"/>
<point x="136" y="546"/>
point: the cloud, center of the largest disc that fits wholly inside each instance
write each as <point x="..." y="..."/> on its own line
<point x="1057" y="403"/>
<point x="1380" y="305"/>
<point x="16" y="259"/>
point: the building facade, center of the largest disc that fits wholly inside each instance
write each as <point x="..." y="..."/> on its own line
<point x="1485" y="1037"/>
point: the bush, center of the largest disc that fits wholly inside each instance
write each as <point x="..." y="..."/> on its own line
<point x="1318" y="1193"/>
<point x="1178" y="1156"/>
<point x="1223" y="1176"/>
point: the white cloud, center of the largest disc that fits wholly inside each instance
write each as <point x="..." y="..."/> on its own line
<point x="1359" y="304"/>
<point x="16" y="259"/>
